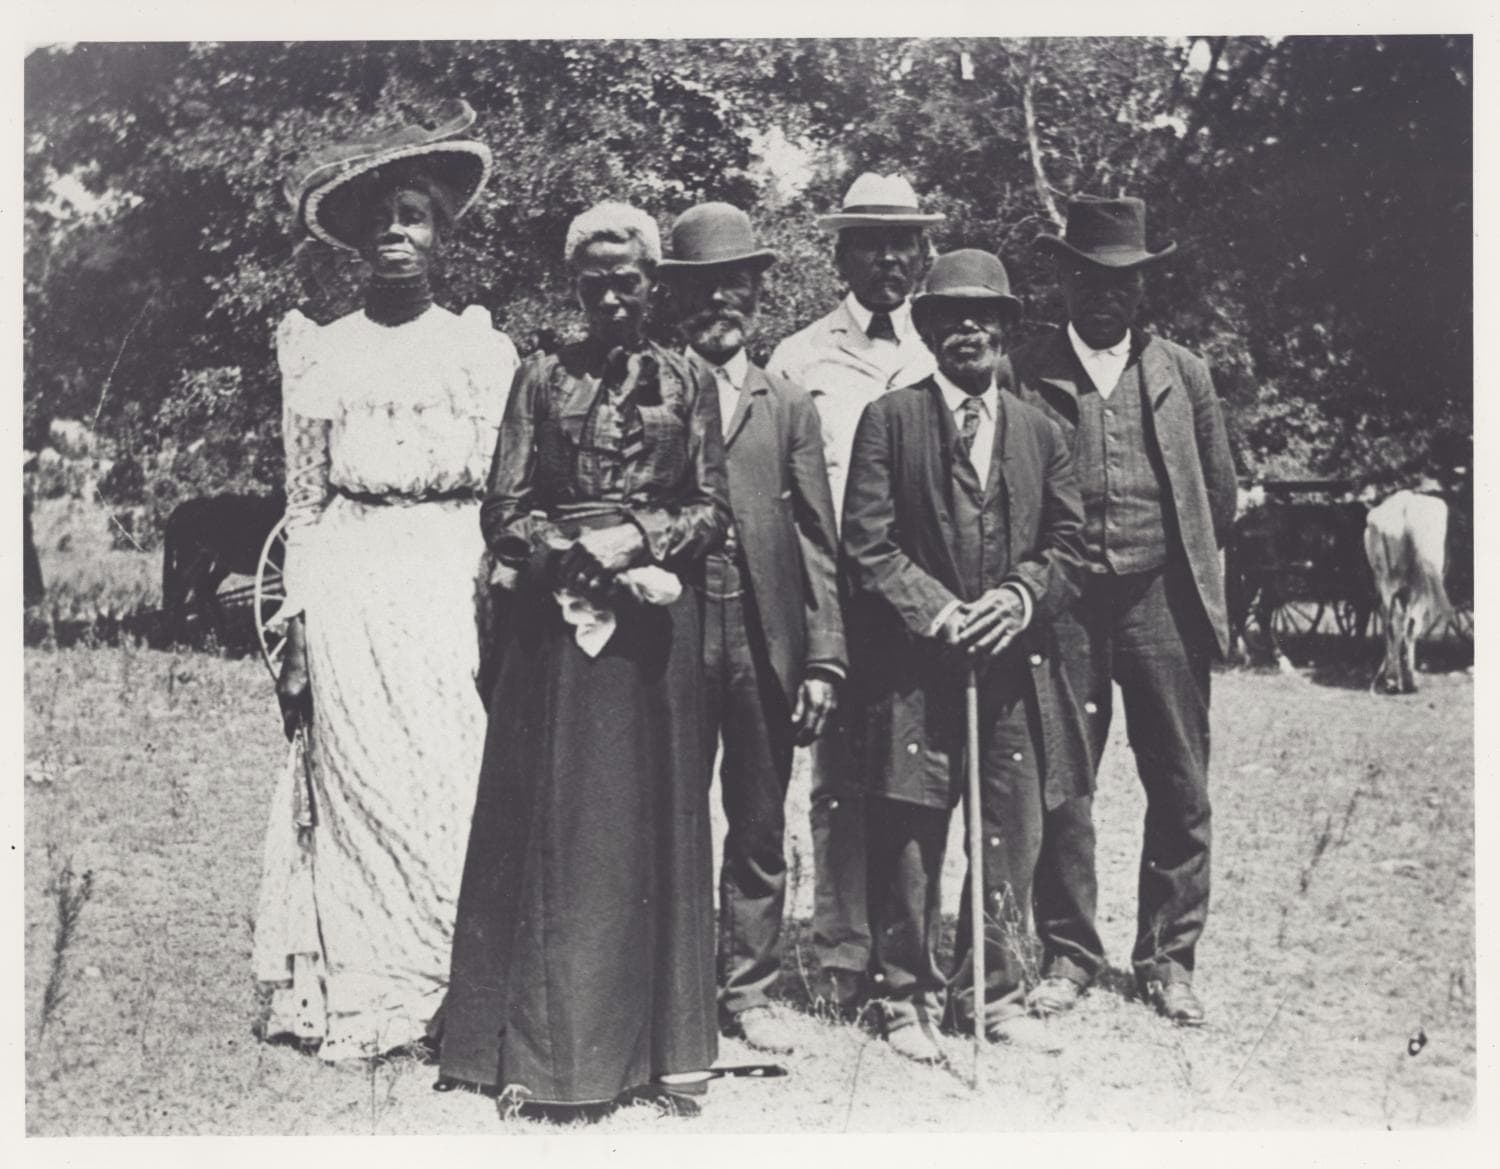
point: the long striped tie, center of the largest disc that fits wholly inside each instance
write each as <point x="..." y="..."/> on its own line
<point x="969" y="427"/>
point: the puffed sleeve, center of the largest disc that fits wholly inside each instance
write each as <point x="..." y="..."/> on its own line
<point x="697" y="521"/>
<point x="514" y="529"/>
<point x="306" y="416"/>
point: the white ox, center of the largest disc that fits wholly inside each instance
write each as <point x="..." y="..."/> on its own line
<point x="1405" y="537"/>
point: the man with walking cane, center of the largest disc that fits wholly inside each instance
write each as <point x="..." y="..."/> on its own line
<point x="962" y="535"/>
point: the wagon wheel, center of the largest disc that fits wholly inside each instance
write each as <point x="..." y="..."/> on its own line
<point x="1346" y="618"/>
<point x="270" y="592"/>
<point x="1462" y="622"/>
<point x="1297" y="618"/>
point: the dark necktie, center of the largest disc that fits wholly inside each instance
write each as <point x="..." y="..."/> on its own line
<point x="881" y="328"/>
<point x="969" y="427"/>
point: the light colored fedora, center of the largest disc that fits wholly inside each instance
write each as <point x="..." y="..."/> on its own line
<point x="879" y="201"/>
<point x="319" y="190"/>
<point x="711" y="235"/>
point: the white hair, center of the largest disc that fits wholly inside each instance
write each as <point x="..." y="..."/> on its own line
<point x="617" y="222"/>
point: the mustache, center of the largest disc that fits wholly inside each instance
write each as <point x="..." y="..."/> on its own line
<point x="716" y="316"/>
<point x="979" y="342"/>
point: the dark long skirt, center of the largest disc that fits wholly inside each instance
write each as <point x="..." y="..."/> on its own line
<point x="583" y="960"/>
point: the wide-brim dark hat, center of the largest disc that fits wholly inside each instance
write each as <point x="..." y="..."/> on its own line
<point x="1107" y="232"/>
<point x="966" y="274"/>
<point x="321" y="190"/>
<point x="713" y="235"/>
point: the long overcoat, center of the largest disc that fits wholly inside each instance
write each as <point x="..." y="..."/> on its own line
<point x="1185" y="428"/>
<point x="784" y="520"/>
<point x="898" y="541"/>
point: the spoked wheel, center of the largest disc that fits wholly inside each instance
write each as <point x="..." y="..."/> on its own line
<point x="1347" y="618"/>
<point x="1462" y="623"/>
<point x="1297" y="618"/>
<point x="270" y="593"/>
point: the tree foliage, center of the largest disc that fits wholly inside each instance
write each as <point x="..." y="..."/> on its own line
<point x="1320" y="187"/>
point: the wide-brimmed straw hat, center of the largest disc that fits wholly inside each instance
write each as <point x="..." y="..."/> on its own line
<point x="1107" y="232"/>
<point x="879" y="201"/>
<point x="321" y="189"/>
<point x="711" y="235"/>
<point x="967" y="274"/>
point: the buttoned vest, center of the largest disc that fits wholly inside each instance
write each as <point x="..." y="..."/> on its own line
<point x="1124" y="510"/>
<point x="981" y="539"/>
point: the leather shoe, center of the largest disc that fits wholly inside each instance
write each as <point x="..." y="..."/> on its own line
<point x="916" y="1042"/>
<point x="762" y="1029"/>
<point x="1175" y="1001"/>
<point x="1023" y="1032"/>
<point x="1053" y="995"/>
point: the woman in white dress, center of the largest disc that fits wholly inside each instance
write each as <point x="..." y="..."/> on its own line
<point x="390" y="417"/>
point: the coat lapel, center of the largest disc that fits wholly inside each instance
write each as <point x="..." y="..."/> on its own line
<point x="1157" y="375"/>
<point x="942" y="454"/>
<point x="906" y="365"/>
<point x="1059" y="371"/>
<point x="1003" y="446"/>
<point x="754" y="387"/>
<point x="848" y="337"/>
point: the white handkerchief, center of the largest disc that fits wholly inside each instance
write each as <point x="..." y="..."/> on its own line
<point x="595" y="626"/>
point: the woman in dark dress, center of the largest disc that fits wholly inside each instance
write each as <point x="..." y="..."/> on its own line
<point x="583" y="958"/>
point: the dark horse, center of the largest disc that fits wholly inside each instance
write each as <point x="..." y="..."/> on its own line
<point x="204" y="541"/>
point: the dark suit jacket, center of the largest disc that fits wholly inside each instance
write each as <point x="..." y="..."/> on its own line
<point x="898" y="540"/>
<point x="783" y="517"/>
<point x="1186" y="425"/>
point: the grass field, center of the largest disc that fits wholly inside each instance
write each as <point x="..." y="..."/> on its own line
<point x="1342" y="929"/>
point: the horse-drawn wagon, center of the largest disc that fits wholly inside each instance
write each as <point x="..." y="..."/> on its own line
<point x="1296" y="564"/>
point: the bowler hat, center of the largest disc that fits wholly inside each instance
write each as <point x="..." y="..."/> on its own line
<point x="879" y="201"/>
<point x="320" y="189"/>
<point x="1107" y="232"/>
<point x="713" y="234"/>
<point x="967" y="274"/>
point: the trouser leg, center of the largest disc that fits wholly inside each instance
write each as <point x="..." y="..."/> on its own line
<point x="754" y="774"/>
<point x="1011" y="835"/>
<point x="1162" y="655"/>
<point x="907" y="843"/>
<point x="841" y="922"/>
<point x="1066" y="891"/>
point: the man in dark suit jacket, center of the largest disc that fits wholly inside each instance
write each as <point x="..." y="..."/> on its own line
<point x="961" y="537"/>
<point x="774" y="637"/>
<point x="1159" y="495"/>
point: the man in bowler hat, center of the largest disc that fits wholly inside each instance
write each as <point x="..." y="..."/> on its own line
<point x="961" y="534"/>
<point x="845" y="359"/>
<point x="774" y="636"/>
<point x="1158" y="484"/>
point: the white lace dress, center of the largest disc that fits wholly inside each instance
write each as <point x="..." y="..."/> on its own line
<point x="389" y="435"/>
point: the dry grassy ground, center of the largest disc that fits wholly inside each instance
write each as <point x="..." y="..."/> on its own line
<point x="1342" y="926"/>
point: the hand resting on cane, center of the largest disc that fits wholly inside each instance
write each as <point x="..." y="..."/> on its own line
<point x="991" y="622"/>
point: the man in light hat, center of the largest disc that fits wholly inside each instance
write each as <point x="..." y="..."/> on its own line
<point x="774" y="636"/>
<point x="961" y="536"/>
<point x="846" y="360"/>
<point x="1159" y="497"/>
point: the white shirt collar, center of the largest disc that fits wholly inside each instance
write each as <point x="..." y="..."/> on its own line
<point x="1086" y="352"/>
<point x="954" y="397"/>
<point x="900" y="317"/>
<point x="737" y="367"/>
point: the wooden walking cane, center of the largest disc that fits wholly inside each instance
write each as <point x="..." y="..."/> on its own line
<point x="976" y="859"/>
